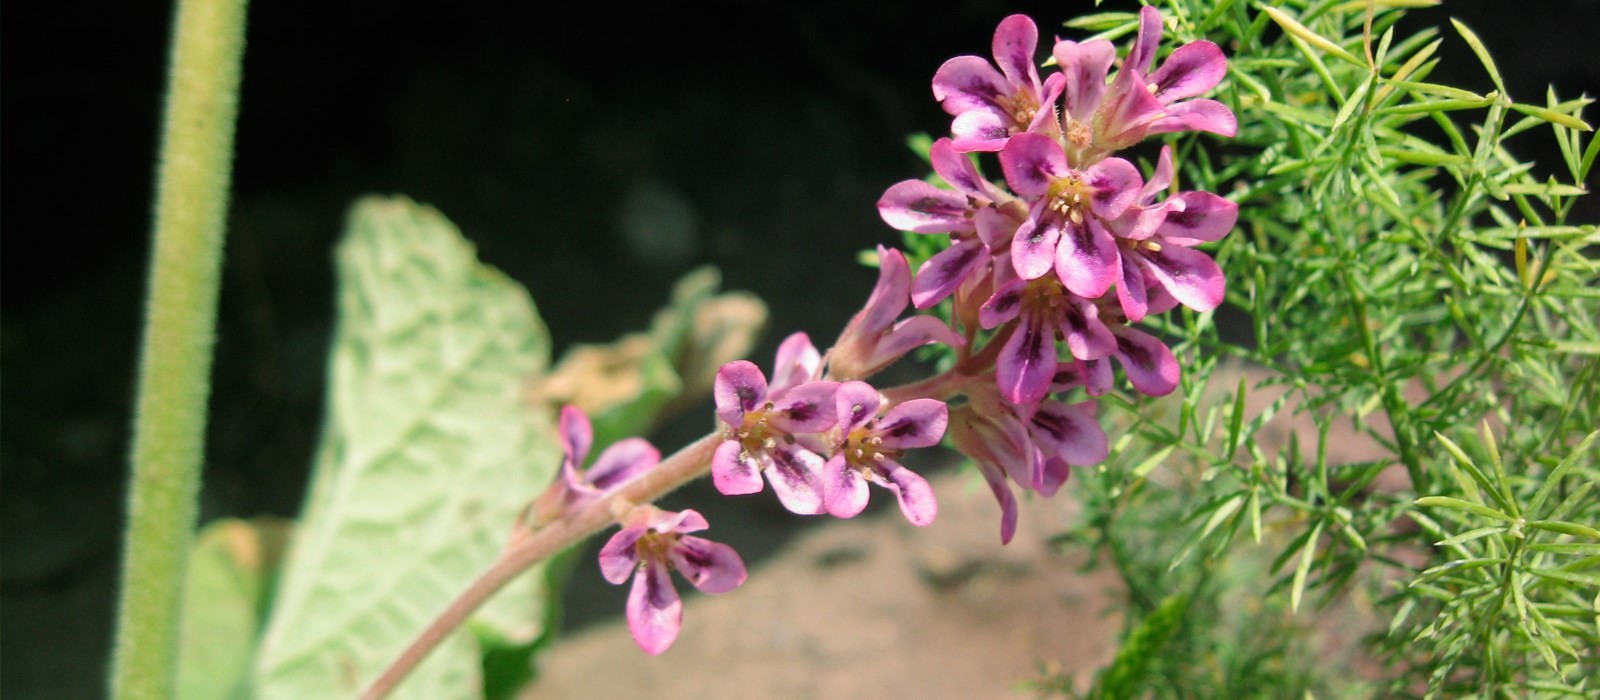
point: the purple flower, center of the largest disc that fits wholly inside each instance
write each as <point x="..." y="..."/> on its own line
<point x="1034" y="448"/>
<point x="1098" y="119"/>
<point x="615" y="466"/>
<point x="979" y="216"/>
<point x="1047" y="310"/>
<point x="1065" y="228"/>
<point x="873" y="339"/>
<point x="650" y="544"/>
<point x="1157" y="244"/>
<point x="869" y="448"/>
<point x="992" y="105"/>
<point x="759" y="424"/>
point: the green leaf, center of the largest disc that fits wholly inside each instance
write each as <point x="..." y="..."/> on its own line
<point x="1307" y="556"/>
<point x="1553" y="117"/>
<point x="1483" y="54"/>
<point x="1536" y="506"/>
<point x="1458" y="504"/>
<point x="430" y="450"/>
<point x="1295" y="28"/>
<point x="225" y="595"/>
<point x="1565" y="528"/>
<point x="1144" y="643"/>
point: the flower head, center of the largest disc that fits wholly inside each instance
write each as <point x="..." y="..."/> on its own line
<point x="759" y="424"/>
<point x="651" y="543"/>
<point x="869" y="448"/>
<point x="992" y="105"/>
<point x="615" y="466"/>
<point x="873" y="339"/>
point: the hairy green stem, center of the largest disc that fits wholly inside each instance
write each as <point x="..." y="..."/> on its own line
<point x="175" y="367"/>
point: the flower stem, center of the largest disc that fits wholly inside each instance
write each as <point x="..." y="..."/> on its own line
<point x="528" y="548"/>
<point x="175" y="367"/>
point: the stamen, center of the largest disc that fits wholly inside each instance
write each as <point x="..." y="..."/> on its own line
<point x="1076" y="216"/>
<point x="1152" y="246"/>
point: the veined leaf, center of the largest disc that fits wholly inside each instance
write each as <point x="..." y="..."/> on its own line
<point x="226" y="592"/>
<point x="430" y="449"/>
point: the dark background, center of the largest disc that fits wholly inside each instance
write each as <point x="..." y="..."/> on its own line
<point x="593" y="153"/>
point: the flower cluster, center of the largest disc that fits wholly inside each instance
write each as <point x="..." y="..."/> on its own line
<point x="1043" y="276"/>
<point x="1073" y="247"/>
<point x="820" y="440"/>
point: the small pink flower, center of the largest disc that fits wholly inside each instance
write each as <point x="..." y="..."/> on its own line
<point x="979" y="216"/>
<point x="1065" y="228"/>
<point x="1045" y="310"/>
<point x="616" y="466"/>
<point x="759" y="424"/>
<point x="874" y="339"/>
<point x="649" y="545"/>
<point x="869" y="449"/>
<point x="992" y="105"/>
<point x="1157" y="244"/>
<point x="1098" y="119"/>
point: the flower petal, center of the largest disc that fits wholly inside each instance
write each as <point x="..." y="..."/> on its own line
<point x="971" y="441"/>
<point x="958" y="170"/>
<point x="1196" y="115"/>
<point x="995" y="229"/>
<point x="967" y="83"/>
<point x="712" y="567"/>
<point x="796" y="476"/>
<point x="1015" y="41"/>
<point x="1143" y="50"/>
<point x="856" y="404"/>
<point x="1087" y="337"/>
<point x="846" y="492"/>
<point x="1147" y="361"/>
<point x="1131" y="292"/>
<point x="620" y="555"/>
<point x="915" y="423"/>
<point x="1115" y="184"/>
<point x="1026" y="363"/>
<point x="1189" y="71"/>
<point x="1069" y="432"/>
<point x="1032" y="162"/>
<point x="914" y="205"/>
<point x="1003" y="306"/>
<point x="734" y="471"/>
<point x="797" y="363"/>
<point x="1189" y="275"/>
<point x="739" y="388"/>
<point x="622" y="461"/>
<point x="943" y="273"/>
<point x="655" y="613"/>
<point x="980" y="131"/>
<point x="916" y="498"/>
<point x="1087" y="260"/>
<point x="1052" y="474"/>
<point x="1204" y="217"/>
<point x="1036" y="244"/>
<point x="577" y="435"/>
<point x="1085" y="67"/>
<point x="807" y="408"/>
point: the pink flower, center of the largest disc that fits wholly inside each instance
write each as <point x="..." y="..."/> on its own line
<point x="1157" y="244"/>
<point x="1047" y="310"/>
<point x="759" y="424"/>
<point x="1097" y="119"/>
<point x="617" y="465"/>
<point x="1065" y="228"/>
<point x="1034" y="448"/>
<point x="648" y="546"/>
<point x="874" y="339"/>
<point x="869" y="448"/>
<point x="979" y="216"/>
<point x="992" y="105"/>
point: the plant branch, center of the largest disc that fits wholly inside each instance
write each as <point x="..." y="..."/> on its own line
<point x="175" y="367"/>
<point x="527" y="548"/>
